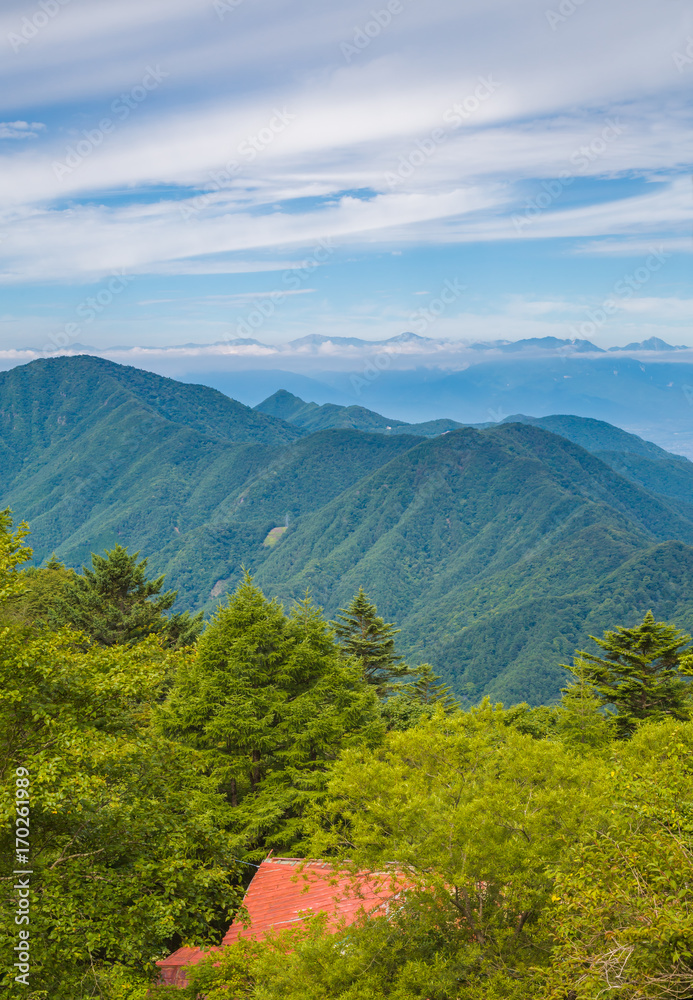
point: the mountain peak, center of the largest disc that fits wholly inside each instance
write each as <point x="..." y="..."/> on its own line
<point x="651" y="344"/>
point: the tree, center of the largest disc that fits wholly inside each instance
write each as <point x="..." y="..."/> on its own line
<point x="13" y="552"/>
<point x="418" y="699"/>
<point x="643" y="673"/>
<point x="476" y="813"/>
<point x="580" y="719"/>
<point x="114" y="604"/>
<point x="622" y="902"/>
<point x="126" y="834"/>
<point x="370" y="640"/>
<point x="40" y="600"/>
<point x="271" y="703"/>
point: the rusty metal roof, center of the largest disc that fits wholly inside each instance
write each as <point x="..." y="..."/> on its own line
<point x="284" y="892"/>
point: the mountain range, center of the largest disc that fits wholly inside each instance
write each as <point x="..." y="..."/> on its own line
<point x="403" y="342"/>
<point x="497" y="549"/>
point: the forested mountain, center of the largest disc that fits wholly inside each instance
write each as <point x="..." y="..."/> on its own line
<point x="496" y="550"/>
<point x="311" y="417"/>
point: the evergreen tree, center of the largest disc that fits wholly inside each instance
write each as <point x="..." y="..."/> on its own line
<point x="580" y="719"/>
<point x="418" y="699"/>
<point x="271" y="703"/>
<point x="115" y="604"/>
<point x="642" y="673"/>
<point x="370" y="640"/>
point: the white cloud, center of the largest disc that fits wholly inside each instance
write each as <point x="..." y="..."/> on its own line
<point x="144" y="196"/>
<point x="20" y="130"/>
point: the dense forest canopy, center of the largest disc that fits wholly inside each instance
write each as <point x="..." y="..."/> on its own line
<point x="547" y="850"/>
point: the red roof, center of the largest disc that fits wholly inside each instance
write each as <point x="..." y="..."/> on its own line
<point x="286" y="890"/>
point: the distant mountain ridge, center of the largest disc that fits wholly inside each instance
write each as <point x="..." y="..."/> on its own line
<point x="496" y="549"/>
<point x="651" y="344"/>
<point x="311" y="417"/>
<point x="407" y="342"/>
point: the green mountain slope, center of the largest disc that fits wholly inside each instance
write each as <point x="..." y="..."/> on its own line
<point x="102" y="453"/>
<point x="668" y="476"/>
<point x="497" y="550"/>
<point x="92" y="452"/>
<point x="292" y="484"/>
<point x="596" y="435"/>
<point x="533" y="638"/>
<point x="311" y="417"/>
<point x="459" y="533"/>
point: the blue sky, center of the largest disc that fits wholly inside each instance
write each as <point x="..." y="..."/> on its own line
<point x="359" y="158"/>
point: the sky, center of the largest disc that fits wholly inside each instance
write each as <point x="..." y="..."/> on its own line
<point x="197" y="171"/>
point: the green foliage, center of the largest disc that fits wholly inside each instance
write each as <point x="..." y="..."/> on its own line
<point x="41" y="596"/>
<point x="475" y="811"/>
<point x="270" y="702"/>
<point x="580" y="720"/>
<point x="622" y="914"/>
<point x="416" y="953"/>
<point x="417" y="699"/>
<point x="369" y="639"/>
<point x="643" y="673"/>
<point x="13" y="553"/>
<point x="127" y="849"/>
<point x="483" y="822"/>
<point x="115" y="604"/>
<point x="127" y="843"/>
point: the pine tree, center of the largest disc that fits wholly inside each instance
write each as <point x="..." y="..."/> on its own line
<point x="115" y="604"/>
<point x="642" y="673"/>
<point x="369" y="639"/>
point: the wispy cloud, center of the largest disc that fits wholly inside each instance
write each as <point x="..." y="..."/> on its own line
<point x="20" y="130"/>
<point x="263" y="138"/>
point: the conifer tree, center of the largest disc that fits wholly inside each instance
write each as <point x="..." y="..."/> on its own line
<point x="418" y="699"/>
<point x="365" y="636"/>
<point x="271" y="703"/>
<point x="580" y="719"/>
<point x="642" y="673"/>
<point x="115" y="604"/>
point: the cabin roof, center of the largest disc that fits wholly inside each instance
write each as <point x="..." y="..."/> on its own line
<point x="283" y="892"/>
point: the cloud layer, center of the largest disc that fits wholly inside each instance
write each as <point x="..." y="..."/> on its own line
<point x="194" y="138"/>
